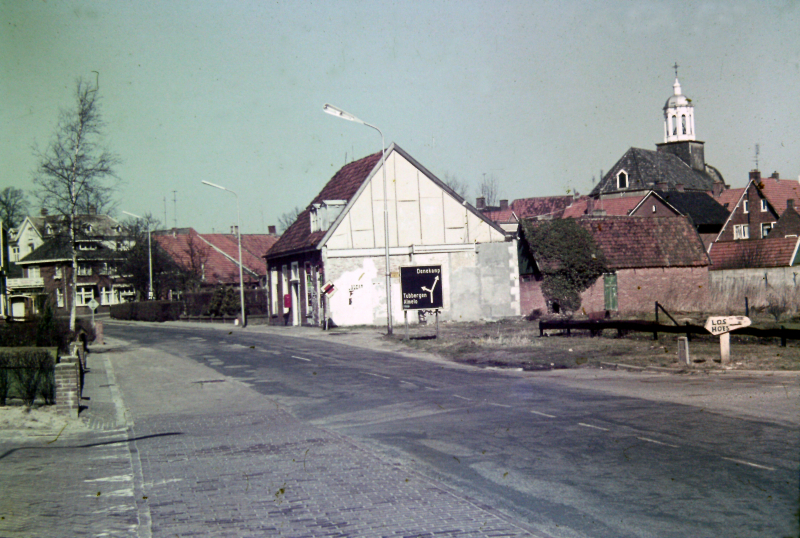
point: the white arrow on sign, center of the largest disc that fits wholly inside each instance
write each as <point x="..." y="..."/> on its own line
<point x="725" y="324"/>
<point x="430" y="291"/>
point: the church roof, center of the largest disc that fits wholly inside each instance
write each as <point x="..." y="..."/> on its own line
<point x="647" y="169"/>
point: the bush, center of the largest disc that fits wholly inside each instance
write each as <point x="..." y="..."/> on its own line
<point x="31" y="375"/>
<point x="147" y="311"/>
<point x="224" y="302"/>
<point x="45" y="331"/>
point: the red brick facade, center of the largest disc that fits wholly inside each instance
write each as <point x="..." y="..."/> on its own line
<point x="756" y="214"/>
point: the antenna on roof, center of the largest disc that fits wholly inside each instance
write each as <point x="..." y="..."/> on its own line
<point x="175" y="208"/>
<point x="758" y="150"/>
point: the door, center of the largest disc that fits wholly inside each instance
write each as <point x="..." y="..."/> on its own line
<point x="610" y="289"/>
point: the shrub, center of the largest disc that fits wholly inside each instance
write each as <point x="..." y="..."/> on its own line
<point x="32" y="374"/>
<point x="224" y="302"/>
<point x="147" y="311"/>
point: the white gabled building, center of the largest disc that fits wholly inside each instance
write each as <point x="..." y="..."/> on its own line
<point x="339" y="239"/>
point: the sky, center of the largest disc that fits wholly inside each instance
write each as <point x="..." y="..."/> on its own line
<point x="539" y="95"/>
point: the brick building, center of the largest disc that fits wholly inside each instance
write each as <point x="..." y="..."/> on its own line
<point x="650" y="259"/>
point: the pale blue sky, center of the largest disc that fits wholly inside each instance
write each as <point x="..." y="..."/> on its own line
<point x="543" y="95"/>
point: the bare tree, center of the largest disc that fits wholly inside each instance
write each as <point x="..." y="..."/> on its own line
<point x="13" y="207"/>
<point x="488" y="190"/>
<point x="74" y="170"/>
<point x="136" y="259"/>
<point x="288" y="218"/>
<point x="460" y="187"/>
<point x="197" y="254"/>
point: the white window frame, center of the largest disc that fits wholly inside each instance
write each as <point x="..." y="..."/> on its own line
<point x="34" y="271"/>
<point x="59" y="298"/>
<point x="741" y="231"/>
<point x="57" y="272"/>
<point x="84" y="295"/>
<point x="766" y="227"/>
<point x="764" y="207"/>
<point x="273" y="286"/>
<point x="295" y="276"/>
<point x="84" y="269"/>
<point x="106" y="296"/>
<point x="627" y="180"/>
<point x="15" y="253"/>
<point x="746" y="206"/>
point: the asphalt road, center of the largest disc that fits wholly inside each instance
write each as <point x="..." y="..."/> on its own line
<point x="566" y="461"/>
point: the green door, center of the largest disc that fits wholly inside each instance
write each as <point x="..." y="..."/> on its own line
<point x="610" y="288"/>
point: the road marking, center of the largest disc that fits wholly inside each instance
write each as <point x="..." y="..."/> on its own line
<point x="376" y="375"/>
<point x="430" y="388"/>
<point x="461" y="397"/>
<point x="498" y="405"/>
<point x="543" y="414"/>
<point x="757" y="466"/>
<point x="408" y="383"/>
<point x="590" y="426"/>
<point x="301" y="358"/>
<point x="656" y="442"/>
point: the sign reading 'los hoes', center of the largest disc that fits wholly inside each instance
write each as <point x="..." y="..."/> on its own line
<point x="721" y="324"/>
<point x="421" y="287"/>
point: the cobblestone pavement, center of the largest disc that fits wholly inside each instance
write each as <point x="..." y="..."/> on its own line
<point x="168" y="448"/>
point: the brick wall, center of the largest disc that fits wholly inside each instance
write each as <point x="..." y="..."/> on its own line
<point x="68" y="394"/>
<point x="754" y="217"/>
<point x="677" y="288"/>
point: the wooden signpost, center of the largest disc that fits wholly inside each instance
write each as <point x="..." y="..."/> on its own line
<point x="723" y="325"/>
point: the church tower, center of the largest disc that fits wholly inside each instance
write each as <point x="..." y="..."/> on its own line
<point x="678" y="116"/>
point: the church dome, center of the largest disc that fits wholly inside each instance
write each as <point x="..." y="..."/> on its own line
<point x="677" y="98"/>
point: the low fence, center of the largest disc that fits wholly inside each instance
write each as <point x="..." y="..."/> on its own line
<point x="625" y="326"/>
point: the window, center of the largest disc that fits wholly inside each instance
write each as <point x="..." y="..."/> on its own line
<point x="87" y="246"/>
<point x="764" y="207"/>
<point x="654" y="208"/>
<point x="683" y="123"/>
<point x="295" y="272"/>
<point x="34" y="271"/>
<point x="15" y="254"/>
<point x="84" y="269"/>
<point x="746" y="206"/>
<point x="741" y="231"/>
<point x="765" y="228"/>
<point x="57" y="272"/>
<point x="674" y="125"/>
<point x="48" y="230"/>
<point x="88" y="228"/>
<point x="310" y="290"/>
<point x="31" y="247"/>
<point x="85" y="294"/>
<point x="273" y="285"/>
<point x="59" y="298"/>
<point x="622" y="180"/>
<point x="105" y="296"/>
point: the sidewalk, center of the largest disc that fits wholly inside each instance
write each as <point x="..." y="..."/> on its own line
<point x="175" y="449"/>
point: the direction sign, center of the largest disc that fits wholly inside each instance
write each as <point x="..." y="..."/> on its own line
<point x="725" y="324"/>
<point x="93" y="304"/>
<point x="421" y="287"/>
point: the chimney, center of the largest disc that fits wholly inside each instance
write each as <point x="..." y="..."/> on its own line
<point x="93" y="210"/>
<point x="44" y="211"/>
<point x="599" y="213"/>
<point x="755" y="175"/>
<point x="590" y="205"/>
<point x="662" y="186"/>
<point x="775" y="175"/>
<point x="789" y="203"/>
<point x="272" y="230"/>
<point x="232" y="232"/>
<point x="679" y="187"/>
<point x="503" y="204"/>
<point x="480" y="203"/>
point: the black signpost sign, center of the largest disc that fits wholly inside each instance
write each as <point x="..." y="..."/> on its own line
<point x="421" y="287"/>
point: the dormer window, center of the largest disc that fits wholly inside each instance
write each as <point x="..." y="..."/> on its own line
<point x="48" y="230"/>
<point x="622" y="180"/>
<point x="324" y="213"/>
<point x="88" y="228"/>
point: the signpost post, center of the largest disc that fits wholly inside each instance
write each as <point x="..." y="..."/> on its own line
<point x="421" y="288"/>
<point x="93" y="304"/>
<point x="723" y="325"/>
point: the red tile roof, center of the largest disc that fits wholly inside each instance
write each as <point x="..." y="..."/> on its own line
<point x="730" y="197"/>
<point x="778" y="191"/>
<point x="220" y="265"/>
<point x="342" y="186"/>
<point x="639" y="242"/>
<point x="754" y="253"/>
<point x="612" y="206"/>
<point x="528" y="208"/>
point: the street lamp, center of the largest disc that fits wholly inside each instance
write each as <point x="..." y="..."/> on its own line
<point x="150" y="294"/>
<point x="338" y="112"/>
<point x="239" y="237"/>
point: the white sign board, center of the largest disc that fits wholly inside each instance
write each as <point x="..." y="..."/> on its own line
<point x="724" y="324"/>
<point x="93" y="304"/>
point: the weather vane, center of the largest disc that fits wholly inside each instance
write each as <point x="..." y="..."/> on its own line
<point x="675" y="67"/>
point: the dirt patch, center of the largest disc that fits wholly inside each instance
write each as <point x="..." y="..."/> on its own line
<point x="517" y="344"/>
<point x="19" y="423"/>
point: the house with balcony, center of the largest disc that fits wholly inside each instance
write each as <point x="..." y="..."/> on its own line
<point x="45" y="273"/>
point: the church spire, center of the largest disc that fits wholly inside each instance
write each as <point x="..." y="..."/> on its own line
<point x="678" y="114"/>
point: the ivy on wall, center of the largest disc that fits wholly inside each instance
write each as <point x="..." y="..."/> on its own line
<point x="567" y="257"/>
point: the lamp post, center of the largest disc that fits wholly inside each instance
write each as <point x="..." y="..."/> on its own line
<point x="150" y="294"/>
<point x="338" y="112"/>
<point x="239" y="237"/>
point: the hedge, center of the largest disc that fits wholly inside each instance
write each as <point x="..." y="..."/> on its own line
<point x="26" y="374"/>
<point x="147" y="311"/>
